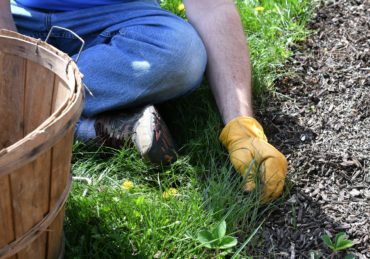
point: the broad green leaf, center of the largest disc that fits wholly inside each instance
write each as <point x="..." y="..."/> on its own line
<point x="219" y="231"/>
<point x="227" y="242"/>
<point x="339" y="237"/>
<point x="344" y="244"/>
<point x="349" y="256"/>
<point x="327" y="241"/>
<point x="205" y="238"/>
<point x="341" y="243"/>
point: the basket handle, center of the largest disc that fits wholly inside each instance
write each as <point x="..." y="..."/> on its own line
<point x="79" y="52"/>
<point x="71" y="32"/>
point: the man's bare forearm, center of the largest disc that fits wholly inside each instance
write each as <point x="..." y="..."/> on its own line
<point x="228" y="71"/>
<point x="6" y="19"/>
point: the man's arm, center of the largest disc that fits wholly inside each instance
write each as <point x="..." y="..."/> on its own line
<point x="229" y="74"/>
<point x="6" y="19"/>
<point x="228" y="71"/>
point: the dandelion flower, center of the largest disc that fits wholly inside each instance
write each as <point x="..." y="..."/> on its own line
<point x="259" y="8"/>
<point x="127" y="185"/>
<point x="181" y="7"/>
<point x="170" y="193"/>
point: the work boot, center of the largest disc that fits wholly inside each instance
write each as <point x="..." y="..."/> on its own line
<point x="143" y="127"/>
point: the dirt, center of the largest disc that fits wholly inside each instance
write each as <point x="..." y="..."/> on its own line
<point x="320" y="118"/>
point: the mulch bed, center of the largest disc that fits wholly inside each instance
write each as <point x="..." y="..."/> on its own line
<point x="320" y="119"/>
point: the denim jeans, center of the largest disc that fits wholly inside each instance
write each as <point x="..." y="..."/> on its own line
<point x="135" y="54"/>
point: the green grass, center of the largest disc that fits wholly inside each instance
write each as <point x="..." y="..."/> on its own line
<point x="103" y="220"/>
<point x="271" y="33"/>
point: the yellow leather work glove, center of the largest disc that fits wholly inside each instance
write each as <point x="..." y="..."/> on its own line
<point x="245" y="140"/>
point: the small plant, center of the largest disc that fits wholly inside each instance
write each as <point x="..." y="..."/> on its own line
<point x="216" y="239"/>
<point x="340" y="243"/>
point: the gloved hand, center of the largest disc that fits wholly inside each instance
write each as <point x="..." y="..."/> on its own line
<point x="245" y="140"/>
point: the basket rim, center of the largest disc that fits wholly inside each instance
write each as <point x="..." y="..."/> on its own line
<point x="58" y="123"/>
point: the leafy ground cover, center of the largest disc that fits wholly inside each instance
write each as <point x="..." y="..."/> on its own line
<point x="121" y="207"/>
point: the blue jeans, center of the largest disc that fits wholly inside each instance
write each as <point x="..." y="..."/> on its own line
<point x="135" y="54"/>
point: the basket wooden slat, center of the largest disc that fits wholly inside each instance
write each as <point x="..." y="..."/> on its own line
<point x="11" y="73"/>
<point x="30" y="206"/>
<point x="39" y="82"/>
<point x="61" y="163"/>
<point x="6" y="222"/>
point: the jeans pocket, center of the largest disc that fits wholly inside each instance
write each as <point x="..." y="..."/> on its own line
<point x="138" y="33"/>
<point x="105" y="37"/>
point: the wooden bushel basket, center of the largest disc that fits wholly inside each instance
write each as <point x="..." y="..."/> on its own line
<point x="40" y="100"/>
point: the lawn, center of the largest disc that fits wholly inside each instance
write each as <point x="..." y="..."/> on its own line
<point x="121" y="207"/>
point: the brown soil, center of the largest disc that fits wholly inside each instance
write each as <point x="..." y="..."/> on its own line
<point x="320" y="118"/>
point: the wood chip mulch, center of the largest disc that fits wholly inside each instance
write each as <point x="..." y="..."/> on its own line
<point x="320" y="118"/>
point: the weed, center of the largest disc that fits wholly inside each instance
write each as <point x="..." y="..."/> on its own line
<point x="215" y="238"/>
<point x="340" y="243"/>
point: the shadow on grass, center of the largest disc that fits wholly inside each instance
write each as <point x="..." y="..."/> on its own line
<point x="89" y="234"/>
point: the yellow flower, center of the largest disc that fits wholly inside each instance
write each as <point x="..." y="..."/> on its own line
<point x="170" y="193"/>
<point x="181" y="7"/>
<point x="259" y="8"/>
<point x="127" y="185"/>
